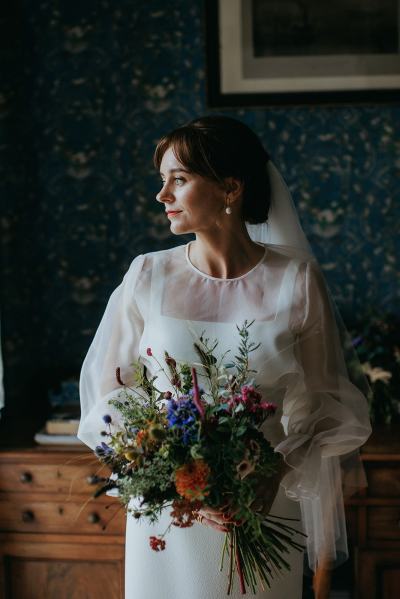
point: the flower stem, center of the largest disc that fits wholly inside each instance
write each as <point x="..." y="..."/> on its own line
<point x="231" y="551"/>
<point x="196" y="394"/>
<point x="240" y="571"/>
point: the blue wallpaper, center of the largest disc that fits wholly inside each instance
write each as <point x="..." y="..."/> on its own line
<point x="88" y="90"/>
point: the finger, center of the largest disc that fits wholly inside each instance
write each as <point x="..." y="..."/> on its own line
<point x="215" y="525"/>
<point x="220" y="513"/>
<point x="209" y="510"/>
<point x="223" y="518"/>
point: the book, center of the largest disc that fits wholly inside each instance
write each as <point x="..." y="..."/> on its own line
<point x="62" y="426"/>
<point x="43" y="438"/>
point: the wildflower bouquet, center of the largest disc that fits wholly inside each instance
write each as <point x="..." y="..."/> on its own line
<point x="191" y="449"/>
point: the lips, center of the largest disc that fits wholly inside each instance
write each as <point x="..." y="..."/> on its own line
<point x="173" y="211"/>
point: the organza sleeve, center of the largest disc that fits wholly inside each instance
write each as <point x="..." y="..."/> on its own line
<point x="115" y="344"/>
<point x="326" y="417"/>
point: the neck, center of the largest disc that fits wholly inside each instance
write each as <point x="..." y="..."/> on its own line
<point x="225" y="254"/>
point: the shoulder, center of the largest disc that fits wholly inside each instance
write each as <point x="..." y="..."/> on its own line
<point x="142" y="265"/>
<point x="149" y="257"/>
<point x="174" y="254"/>
<point x="282" y="257"/>
<point x="160" y="254"/>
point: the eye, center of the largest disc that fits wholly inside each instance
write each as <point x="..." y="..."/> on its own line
<point x="179" y="180"/>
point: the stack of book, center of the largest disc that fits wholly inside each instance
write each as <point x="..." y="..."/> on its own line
<point x="59" y="428"/>
<point x="62" y="425"/>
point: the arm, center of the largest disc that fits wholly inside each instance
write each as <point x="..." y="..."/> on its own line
<point x="326" y="418"/>
<point x="326" y="414"/>
<point x="115" y="344"/>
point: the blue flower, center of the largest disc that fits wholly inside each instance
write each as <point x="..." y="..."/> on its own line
<point x="183" y="414"/>
<point x="103" y="450"/>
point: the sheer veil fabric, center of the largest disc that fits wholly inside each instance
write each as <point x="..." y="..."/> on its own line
<point x="329" y="468"/>
<point x="323" y="411"/>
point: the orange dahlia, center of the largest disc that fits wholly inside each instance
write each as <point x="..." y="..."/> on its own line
<point x="191" y="479"/>
<point x="141" y="437"/>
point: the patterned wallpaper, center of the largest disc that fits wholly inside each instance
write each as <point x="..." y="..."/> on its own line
<point x="88" y="90"/>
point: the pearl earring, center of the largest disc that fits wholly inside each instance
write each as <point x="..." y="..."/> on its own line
<point x="228" y="209"/>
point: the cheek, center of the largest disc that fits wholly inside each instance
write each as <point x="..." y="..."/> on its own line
<point x="204" y="200"/>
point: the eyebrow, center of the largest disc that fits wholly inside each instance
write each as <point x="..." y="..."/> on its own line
<point x="176" y="170"/>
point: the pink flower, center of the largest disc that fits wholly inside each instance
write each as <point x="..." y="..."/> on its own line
<point x="268" y="407"/>
<point x="252" y="401"/>
<point x="149" y="352"/>
<point x="250" y="396"/>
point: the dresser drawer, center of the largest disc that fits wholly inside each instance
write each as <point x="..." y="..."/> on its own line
<point x="51" y="478"/>
<point x="62" y="517"/>
<point x="383" y="481"/>
<point x="383" y="523"/>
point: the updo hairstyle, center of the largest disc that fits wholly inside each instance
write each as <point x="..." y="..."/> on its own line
<point x="216" y="147"/>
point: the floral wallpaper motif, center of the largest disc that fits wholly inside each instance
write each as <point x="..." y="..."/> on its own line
<point x="88" y="90"/>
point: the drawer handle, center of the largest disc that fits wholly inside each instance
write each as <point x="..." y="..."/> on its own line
<point x="93" y="479"/>
<point x="28" y="516"/>
<point x="26" y="477"/>
<point x="93" y="518"/>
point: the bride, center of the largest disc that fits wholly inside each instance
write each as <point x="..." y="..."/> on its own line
<point x="249" y="260"/>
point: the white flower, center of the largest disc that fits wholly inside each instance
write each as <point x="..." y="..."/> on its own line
<point x="376" y="373"/>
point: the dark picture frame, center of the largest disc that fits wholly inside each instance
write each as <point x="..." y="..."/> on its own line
<point x="237" y="43"/>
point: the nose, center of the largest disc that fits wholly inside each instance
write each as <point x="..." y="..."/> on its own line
<point x="164" y="195"/>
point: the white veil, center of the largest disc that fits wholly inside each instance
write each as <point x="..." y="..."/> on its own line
<point x="283" y="226"/>
<point x="340" y="475"/>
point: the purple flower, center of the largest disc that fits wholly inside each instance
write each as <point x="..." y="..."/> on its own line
<point x="183" y="414"/>
<point x="357" y="340"/>
<point x="103" y="450"/>
<point x="107" y="418"/>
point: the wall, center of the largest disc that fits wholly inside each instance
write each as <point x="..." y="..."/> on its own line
<point x="88" y="90"/>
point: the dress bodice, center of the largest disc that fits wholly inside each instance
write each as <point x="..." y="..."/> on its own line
<point x="273" y="361"/>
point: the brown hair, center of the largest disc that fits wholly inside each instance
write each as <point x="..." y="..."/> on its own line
<point x="216" y="147"/>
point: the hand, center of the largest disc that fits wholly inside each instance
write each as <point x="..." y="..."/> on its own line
<point x="217" y="518"/>
<point x="265" y="495"/>
<point x="268" y="489"/>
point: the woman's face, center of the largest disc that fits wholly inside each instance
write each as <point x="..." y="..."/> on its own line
<point x="192" y="202"/>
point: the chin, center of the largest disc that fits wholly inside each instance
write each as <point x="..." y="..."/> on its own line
<point x="177" y="229"/>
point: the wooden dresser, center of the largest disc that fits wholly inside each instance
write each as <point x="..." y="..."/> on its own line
<point x="53" y="546"/>
<point x="374" y="519"/>
<point x="52" y="542"/>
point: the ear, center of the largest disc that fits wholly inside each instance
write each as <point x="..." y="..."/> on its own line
<point x="234" y="187"/>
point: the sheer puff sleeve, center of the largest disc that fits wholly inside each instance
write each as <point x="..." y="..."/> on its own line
<point x="115" y="344"/>
<point x="326" y="420"/>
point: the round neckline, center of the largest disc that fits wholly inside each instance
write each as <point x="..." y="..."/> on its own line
<point x="203" y="274"/>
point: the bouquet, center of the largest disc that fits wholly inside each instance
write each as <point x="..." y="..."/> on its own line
<point x="190" y="449"/>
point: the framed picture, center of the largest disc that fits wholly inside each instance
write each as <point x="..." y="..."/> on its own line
<point x="263" y="52"/>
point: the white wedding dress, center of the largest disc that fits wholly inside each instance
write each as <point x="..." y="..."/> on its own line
<point x="164" y="302"/>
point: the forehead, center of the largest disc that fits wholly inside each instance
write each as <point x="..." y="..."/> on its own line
<point x="170" y="163"/>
